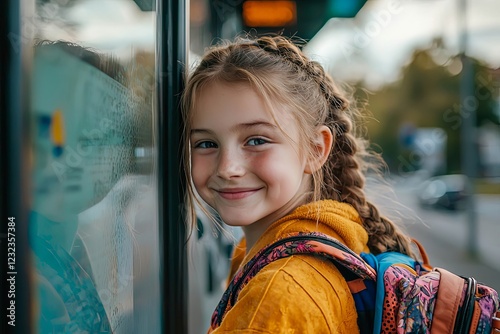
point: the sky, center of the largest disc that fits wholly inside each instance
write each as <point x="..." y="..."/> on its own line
<point x="382" y="37"/>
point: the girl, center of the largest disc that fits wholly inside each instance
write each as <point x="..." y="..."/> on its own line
<point x="270" y="146"/>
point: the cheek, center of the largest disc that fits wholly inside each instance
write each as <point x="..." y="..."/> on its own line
<point x="199" y="171"/>
<point x="275" y="167"/>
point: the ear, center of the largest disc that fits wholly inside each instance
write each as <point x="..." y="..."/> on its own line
<point x="322" y="147"/>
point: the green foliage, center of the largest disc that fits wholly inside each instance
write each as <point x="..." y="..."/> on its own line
<point x="428" y="95"/>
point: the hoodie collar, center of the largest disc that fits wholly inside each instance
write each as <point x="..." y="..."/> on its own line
<point x="339" y="220"/>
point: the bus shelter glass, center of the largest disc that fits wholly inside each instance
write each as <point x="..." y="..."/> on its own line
<point x="93" y="221"/>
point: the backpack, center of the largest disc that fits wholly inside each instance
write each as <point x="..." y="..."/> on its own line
<point x="392" y="292"/>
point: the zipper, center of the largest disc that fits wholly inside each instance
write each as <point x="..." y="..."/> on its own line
<point x="464" y="318"/>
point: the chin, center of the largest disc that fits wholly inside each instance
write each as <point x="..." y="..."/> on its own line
<point x="240" y="219"/>
<point x="237" y="222"/>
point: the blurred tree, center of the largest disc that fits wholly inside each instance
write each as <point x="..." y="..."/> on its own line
<point x="428" y="95"/>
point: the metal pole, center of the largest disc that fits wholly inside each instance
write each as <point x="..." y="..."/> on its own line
<point x="17" y="313"/>
<point x="172" y="55"/>
<point x="468" y="105"/>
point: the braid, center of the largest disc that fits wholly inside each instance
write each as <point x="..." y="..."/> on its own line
<point x="344" y="180"/>
<point x="282" y="47"/>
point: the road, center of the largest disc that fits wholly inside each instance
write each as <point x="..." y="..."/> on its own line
<point x="444" y="234"/>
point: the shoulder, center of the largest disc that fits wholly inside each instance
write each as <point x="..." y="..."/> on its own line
<point x="317" y="279"/>
<point x="305" y="294"/>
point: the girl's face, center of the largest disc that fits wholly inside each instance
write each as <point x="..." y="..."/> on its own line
<point x="243" y="165"/>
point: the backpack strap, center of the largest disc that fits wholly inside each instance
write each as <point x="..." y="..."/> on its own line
<point x="352" y="266"/>
<point x="495" y="326"/>
<point x="423" y="254"/>
<point x="448" y="301"/>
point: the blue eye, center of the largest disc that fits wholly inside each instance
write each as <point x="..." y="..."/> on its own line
<point x="206" y="144"/>
<point x="256" y="142"/>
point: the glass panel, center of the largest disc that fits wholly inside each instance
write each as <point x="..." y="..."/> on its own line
<point x="93" y="224"/>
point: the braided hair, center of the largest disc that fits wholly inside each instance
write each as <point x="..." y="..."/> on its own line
<point x="280" y="72"/>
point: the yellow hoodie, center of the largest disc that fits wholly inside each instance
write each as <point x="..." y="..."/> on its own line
<point x="301" y="293"/>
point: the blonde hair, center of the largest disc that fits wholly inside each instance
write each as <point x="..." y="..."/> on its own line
<point x="277" y="69"/>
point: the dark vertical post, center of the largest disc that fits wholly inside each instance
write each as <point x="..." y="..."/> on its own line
<point x="468" y="105"/>
<point x="15" y="281"/>
<point x="172" y="57"/>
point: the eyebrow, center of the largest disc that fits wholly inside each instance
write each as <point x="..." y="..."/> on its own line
<point x="193" y="131"/>
<point x="256" y="124"/>
<point x="239" y="126"/>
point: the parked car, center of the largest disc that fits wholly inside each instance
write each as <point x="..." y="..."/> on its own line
<point x="444" y="191"/>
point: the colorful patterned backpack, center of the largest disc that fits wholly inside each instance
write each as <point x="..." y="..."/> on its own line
<point x="393" y="293"/>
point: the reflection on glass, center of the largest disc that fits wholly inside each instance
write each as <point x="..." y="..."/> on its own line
<point x="93" y="225"/>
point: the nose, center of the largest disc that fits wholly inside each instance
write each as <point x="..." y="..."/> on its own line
<point x="230" y="164"/>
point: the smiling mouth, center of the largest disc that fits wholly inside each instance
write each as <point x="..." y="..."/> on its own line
<point x="234" y="194"/>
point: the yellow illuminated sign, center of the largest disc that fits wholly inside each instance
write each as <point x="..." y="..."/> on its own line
<point x="57" y="132"/>
<point x="269" y="13"/>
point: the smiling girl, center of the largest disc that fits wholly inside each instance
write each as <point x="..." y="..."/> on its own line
<point x="270" y="147"/>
